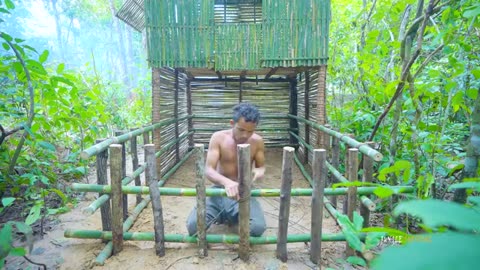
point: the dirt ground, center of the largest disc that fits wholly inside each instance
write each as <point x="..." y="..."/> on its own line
<point x="58" y="252"/>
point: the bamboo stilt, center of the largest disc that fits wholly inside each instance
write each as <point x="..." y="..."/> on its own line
<point x="201" y="200"/>
<point x="117" y="197"/>
<point x="151" y="177"/>
<point x="134" y="155"/>
<point x="244" y="178"/>
<point x="284" y="212"/>
<point x="319" y="176"/>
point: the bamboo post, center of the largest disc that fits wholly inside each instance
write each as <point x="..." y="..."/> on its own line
<point x="124" y="174"/>
<point x="244" y="178"/>
<point x="146" y="138"/>
<point x="151" y="179"/>
<point x="307" y="113"/>
<point x="156" y="116"/>
<point x="367" y="178"/>
<point x="134" y="155"/>
<point x="117" y="197"/>
<point x="102" y="179"/>
<point x="293" y="109"/>
<point x="319" y="175"/>
<point x="352" y="201"/>
<point x="190" y="112"/>
<point x="201" y="200"/>
<point x="335" y="164"/>
<point x="351" y="171"/>
<point x="175" y="115"/>
<point x="347" y="173"/>
<point x="321" y="104"/>
<point x="284" y="213"/>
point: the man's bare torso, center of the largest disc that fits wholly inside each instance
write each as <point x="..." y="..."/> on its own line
<point x="227" y="164"/>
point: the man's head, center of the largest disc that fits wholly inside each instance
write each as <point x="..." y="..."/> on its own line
<point x="245" y="120"/>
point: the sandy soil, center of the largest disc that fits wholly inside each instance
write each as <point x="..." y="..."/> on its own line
<point x="61" y="253"/>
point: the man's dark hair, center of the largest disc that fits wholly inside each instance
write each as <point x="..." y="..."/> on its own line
<point x="246" y="110"/>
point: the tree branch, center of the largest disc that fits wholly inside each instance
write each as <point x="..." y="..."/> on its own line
<point x="5" y="134"/>
<point x="32" y="105"/>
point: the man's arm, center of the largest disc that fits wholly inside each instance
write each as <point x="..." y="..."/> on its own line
<point x="213" y="157"/>
<point x="259" y="170"/>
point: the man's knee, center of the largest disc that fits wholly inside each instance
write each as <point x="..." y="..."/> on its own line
<point x="257" y="228"/>
<point x="192" y="223"/>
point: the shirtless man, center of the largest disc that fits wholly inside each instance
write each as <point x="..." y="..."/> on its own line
<point x="221" y="169"/>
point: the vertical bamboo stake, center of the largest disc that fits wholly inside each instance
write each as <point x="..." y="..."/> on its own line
<point x="307" y="113"/>
<point x="201" y="200"/>
<point x="367" y="178"/>
<point x="189" y="112"/>
<point x="319" y="175"/>
<point x="134" y="155"/>
<point x="244" y="178"/>
<point x="102" y="179"/>
<point x="321" y="103"/>
<point x="117" y="197"/>
<point x="156" y="117"/>
<point x="284" y="212"/>
<point x="175" y="115"/>
<point x="352" y="201"/>
<point x="124" y="174"/>
<point x="335" y="164"/>
<point x="146" y="138"/>
<point x="152" y="181"/>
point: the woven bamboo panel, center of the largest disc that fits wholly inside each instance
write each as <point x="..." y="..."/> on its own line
<point x="132" y="13"/>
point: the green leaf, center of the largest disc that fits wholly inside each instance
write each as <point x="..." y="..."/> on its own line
<point x="47" y="146"/>
<point x="356" y="260"/>
<point x="473" y="185"/>
<point x="59" y="193"/>
<point x="60" y="68"/>
<point x="357" y="221"/>
<point x="44" y="56"/>
<point x="5" y="241"/>
<point x="473" y="11"/>
<point x="472" y="93"/>
<point x="373" y="239"/>
<point x="474" y="200"/>
<point x="7" y="201"/>
<point x="34" y="214"/>
<point x="383" y="192"/>
<point x="436" y="213"/>
<point x="476" y="73"/>
<point x="18" y="251"/>
<point x="26" y="230"/>
<point x="36" y="67"/>
<point x="9" y="4"/>
<point x="444" y="251"/>
<point x="5" y="46"/>
<point x="350" y="233"/>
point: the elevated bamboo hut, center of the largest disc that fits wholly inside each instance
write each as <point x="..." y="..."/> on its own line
<point x="208" y="55"/>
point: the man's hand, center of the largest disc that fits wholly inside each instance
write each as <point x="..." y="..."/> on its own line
<point x="231" y="188"/>
<point x="258" y="174"/>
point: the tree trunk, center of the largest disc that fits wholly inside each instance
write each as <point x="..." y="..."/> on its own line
<point x="56" y="16"/>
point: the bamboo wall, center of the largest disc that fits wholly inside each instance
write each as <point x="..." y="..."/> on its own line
<point x="217" y="98"/>
<point x="309" y="78"/>
<point x="193" y="33"/>
<point x="167" y="111"/>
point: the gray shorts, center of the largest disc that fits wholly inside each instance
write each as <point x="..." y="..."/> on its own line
<point x="229" y="215"/>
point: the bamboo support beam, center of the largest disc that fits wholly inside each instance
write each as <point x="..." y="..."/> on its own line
<point x="364" y="148"/>
<point x="319" y="178"/>
<point x="117" y="197"/>
<point x="244" y="179"/>
<point x="367" y="178"/>
<point x="211" y="238"/>
<point x="201" y="200"/>
<point x="102" y="179"/>
<point x="152" y="182"/>
<point x="97" y="148"/>
<point x="107" y="251"/>
<point x="124" y="174"/>
<point x="284" y="212"/>
<point x="365" y="201"/>
<point x="210" y="192"/>
<point x="266" y="117"/>
<point x="135" y="166"/>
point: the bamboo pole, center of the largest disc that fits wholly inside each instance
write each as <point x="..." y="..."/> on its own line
<point x="156" y="116"/>
<point x="244" y="178"/>
<point x="210" y="192"/>
<point x="117" y="197"/>
<point x="190" y="112"/>
<point x="151" y="179"/>
<point x="95" y="149"/>
<point x="146" y="137"/>
<point x="352" y="201"/>
<point x="335" y="164"/>
<point x="107" y="251"/>
<point x="201" y="200"/>
<point x="319" y="178"/>
<point x="284" y="212"/>
<point x="124" y="174"/>
<point x="307" y="112"/>
<point x="365" y="149"/>
<point x="175" y="115"/>
<point x="134" y="155"/>
<point x="211" y="238"/>
<point x="266" y="117"/>
<point x="367" y="178"/>
<point x="102" y="179"/>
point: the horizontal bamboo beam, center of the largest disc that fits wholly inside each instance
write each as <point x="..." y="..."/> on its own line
<point x="212" y="192"/>
<point x="216" y="79"/>
<point x="211" y="238"/>
<point x="196" y="116"/>
<point x="97" y="148"/>
<point x="257" y="129"/>
<point x="362" y="147"/>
